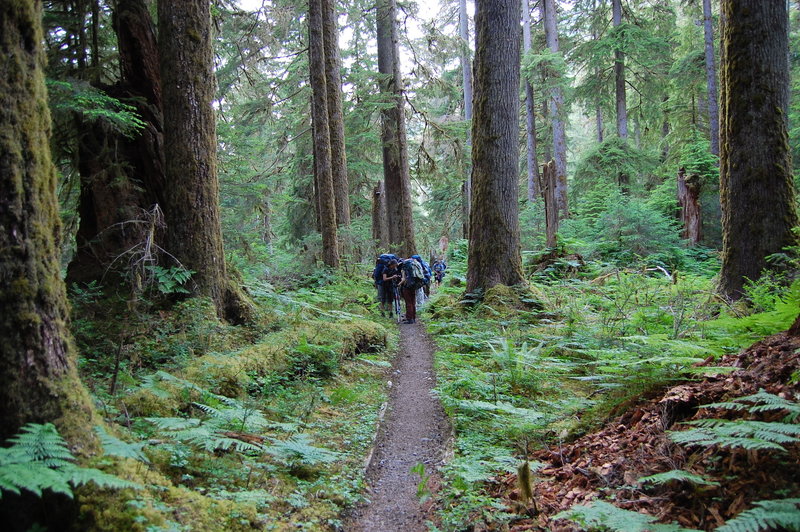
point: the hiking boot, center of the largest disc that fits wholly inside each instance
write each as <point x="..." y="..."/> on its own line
<point x="409" y="321"/>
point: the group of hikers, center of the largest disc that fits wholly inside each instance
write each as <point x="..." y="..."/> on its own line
<point x="409" y="279"/>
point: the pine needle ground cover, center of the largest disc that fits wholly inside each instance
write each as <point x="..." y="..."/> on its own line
<point x="258" y="427"/>
<point x="557" y="396"/>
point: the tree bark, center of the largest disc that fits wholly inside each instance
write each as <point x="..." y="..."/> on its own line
<point x="333" y="91"/>
<point x="322" y="147"/>
<point x="533" y="163"/>
<point x="689" y="201"/>
<point x="38" y="379"/>
<point x="393" y="134"/>
<point x="555" y="111"/>
<point x="711" y="77"/>
<point x="756" y="190"/>
<point x="190" y="148"/>
<point x="619" y="72"/>
<point x="494" y="246"/>
<point x="549" y="181"/>
<point x="379" y="219"/>
<point x="122" y="177"/>
<point x="466" y="84"/>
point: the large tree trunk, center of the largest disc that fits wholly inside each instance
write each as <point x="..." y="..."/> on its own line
<point x="379" y="221"/>
<point x="756" y="189"/>
<point x="549" y="181"/>
<point x="122" y="177"/>
<point x="533" y="163"/>
<point x="393" y="126"/>
<point x="556" y="109"/>
<point x="38" y="379"/>
<point x="711" y="76"/>
<point x="333" y="92"/>
<point x="619" y="73"/>
<point x="322" y="147"/>
<point x="190" y="148"/>
<point x="466" y="83"/>
<point x="494" y="246"/>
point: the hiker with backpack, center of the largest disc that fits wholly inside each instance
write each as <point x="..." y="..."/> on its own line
<point x="424" y="291"/>
<point x="377" y="277"/>
<point x="412" y="278"/>
<point x="391" y="277"/>
<point x="439" y="266"/>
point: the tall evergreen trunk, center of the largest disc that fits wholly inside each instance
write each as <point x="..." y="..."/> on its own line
<point x="533" y="164"/>
<point x="555" y="111"/>
<point x="190" y="149"/>
<point x="122" y="177"/>
<point x="619" y="72"/>
<point x="38" y="379"/>
<point x="711" y="76"/>
<point x="466" y="84"/>
<point x="333" y="91"/>
<point x="393" y="134"/>
<point x="494" y="245"/>
<point x="756" y="190"/>
<point x="598" y="111"/>
<point x="323" y="172"/>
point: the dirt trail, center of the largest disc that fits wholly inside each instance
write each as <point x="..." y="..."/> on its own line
<point x="414" y="431"/>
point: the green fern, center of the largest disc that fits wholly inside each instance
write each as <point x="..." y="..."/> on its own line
<point x="601" y="515"/>
<point x="115" y="447"/>
<point x="762" y="401"/>
<point x="743" y="434"/>
<point x="39" y="460"/>
<point x="777" y="514"/>
<point x="677" y="475"/>
<point x="298" y="451"/>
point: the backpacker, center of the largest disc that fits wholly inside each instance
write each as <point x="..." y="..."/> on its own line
<point x="414" y="274"/>
<point x="380" y="265"/>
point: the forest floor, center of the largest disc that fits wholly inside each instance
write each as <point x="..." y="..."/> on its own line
<point x="413" y="435"/>
<point x="607" y="464"/>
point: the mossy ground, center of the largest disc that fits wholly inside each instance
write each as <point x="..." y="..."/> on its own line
<point x="311" y="366"/>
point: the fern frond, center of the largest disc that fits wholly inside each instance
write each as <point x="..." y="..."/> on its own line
<point x="678" y="475"/>
<point x="173" y="423"/>
<point x="299" y="450"/>
<point x="603" y="515"/>
<point x="34" y="477"/>
<point x="78" y="476"/>
<point x="762" y="401"/>
<point x="41" y="442"/>
<point x="116" y="447"/>
<point x="773" y="515"/>
<point x="746" y="434"/>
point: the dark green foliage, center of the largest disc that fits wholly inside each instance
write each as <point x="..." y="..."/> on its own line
<point x="767" y="515"/>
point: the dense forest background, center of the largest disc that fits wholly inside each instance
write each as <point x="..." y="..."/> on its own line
<point x="222" y="199"/>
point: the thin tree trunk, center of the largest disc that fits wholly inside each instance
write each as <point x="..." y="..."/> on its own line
<point x="533" y="164"/>
<point x="494" y="246"/>
<point x="333" y="81"/>
<point x="190" y="148"/>
<point x="689" y="201"/>
<point x="756" y="189"/>
<point x="619" y="73"/>
<point x="393" y="126"/>
<point x="711" y="76"/>
<point x="466" y="75"/>
<point x="556" y="110"/>
<point x="549" y="183"/>
<point x="322" y="148"/>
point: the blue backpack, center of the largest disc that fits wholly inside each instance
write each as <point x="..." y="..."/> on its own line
<point x="426" y="270"/>
<point x="380" y="265"/>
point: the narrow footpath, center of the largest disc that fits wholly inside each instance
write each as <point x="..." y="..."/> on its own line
<point x="414" y="431"/>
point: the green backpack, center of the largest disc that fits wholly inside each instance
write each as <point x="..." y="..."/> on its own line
<point x="414" y="274"/>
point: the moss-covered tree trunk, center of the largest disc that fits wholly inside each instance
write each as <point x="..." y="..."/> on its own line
<point x="466" y="85"/>
<point x="756" y="189"/>
<point x="379" y="226"/>
<point x="711" y="77"/>
<point x="556" y="111"/>
<point x="38" y="379"/>
<point x="122" y="177"/>
<point x="323" y="174"/>
<point x="393" y="135"/>
<point x="333" y="92"/>
<point x="190" y="149"/>
<point x="619" y="72"/>
<point x="494" y="246"/>
<point x="530" y="114"/>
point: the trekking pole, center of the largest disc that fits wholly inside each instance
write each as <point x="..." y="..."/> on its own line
<point x="396" y="302"/>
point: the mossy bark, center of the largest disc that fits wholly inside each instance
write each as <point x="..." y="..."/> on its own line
<point x="122" y="177"/>
<point x="556" y="111"/>
<point x="619" y="73"/>
<point x="333" y="93"/>
<point x="393" y="134"/>
<point x="326" y="200"/>
<point x="494" y="245"/>
<point x="190" y="147"/>
<point x="756" y="190"/>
